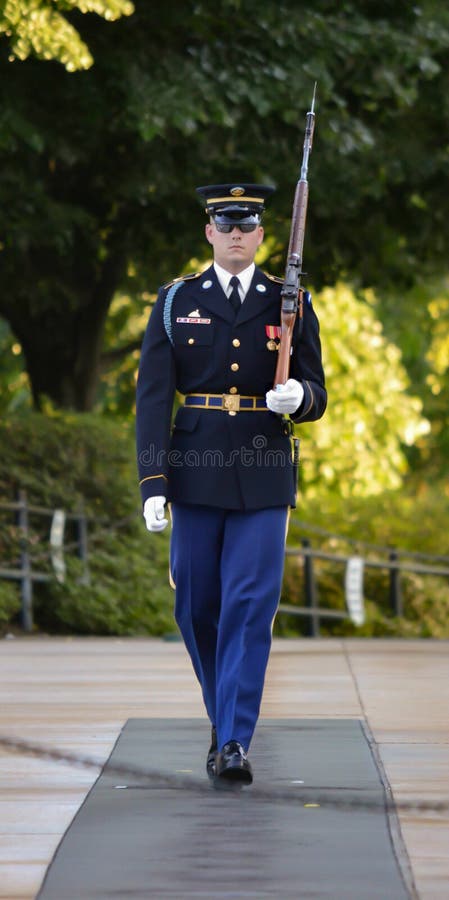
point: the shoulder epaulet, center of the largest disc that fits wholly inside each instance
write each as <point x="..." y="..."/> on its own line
<point x="274" y="278"/>
<point x="181" y="278"/>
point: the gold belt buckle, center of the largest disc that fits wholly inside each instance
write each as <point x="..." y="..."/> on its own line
<point x="231" y="403"/>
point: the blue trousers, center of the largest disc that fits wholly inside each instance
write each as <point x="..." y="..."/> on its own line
<point x="227" y="566"/>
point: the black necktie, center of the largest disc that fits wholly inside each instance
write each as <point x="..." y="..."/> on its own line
<point x="234" y="296"/>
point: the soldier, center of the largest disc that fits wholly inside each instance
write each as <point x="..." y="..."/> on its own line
<point x="226" y="465"/>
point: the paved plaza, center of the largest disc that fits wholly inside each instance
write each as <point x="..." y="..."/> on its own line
<point x="77" y="695"/>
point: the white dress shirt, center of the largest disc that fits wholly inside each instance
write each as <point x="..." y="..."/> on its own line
<point x="245" y="278"/>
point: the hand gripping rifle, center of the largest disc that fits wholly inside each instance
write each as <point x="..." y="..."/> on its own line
<point x="291" y="288"/>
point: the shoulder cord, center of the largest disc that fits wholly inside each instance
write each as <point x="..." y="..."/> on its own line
<point x="167" y="309"/>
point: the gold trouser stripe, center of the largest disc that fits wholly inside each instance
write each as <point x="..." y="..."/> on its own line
<point x="287" y="522"/>
<point x="171" y="580"/>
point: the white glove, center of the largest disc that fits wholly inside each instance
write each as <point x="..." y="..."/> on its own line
<point x="154" y="514"/>
<point x="286" y="397"/>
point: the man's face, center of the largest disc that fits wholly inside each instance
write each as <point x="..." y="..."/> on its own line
<point x="234" y="251"/>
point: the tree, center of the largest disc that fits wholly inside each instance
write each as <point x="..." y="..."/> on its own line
<point x="358" y="451"/>
<point x="38" y="27"/>
<point x="14" y="393"/>
<point x="435" y="453"/>
<point x="98" y="168"/>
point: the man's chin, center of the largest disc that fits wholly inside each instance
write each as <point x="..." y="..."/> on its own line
<point x="238" y="254"/>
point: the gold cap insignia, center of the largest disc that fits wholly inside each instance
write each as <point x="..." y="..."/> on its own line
<point x="237" y="191"/>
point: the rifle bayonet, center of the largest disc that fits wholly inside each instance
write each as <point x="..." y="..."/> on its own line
<point x="293" y="269"/>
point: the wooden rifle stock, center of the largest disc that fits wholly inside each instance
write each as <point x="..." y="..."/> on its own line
<point x="291" y="289"/>
<point x="283" y="363"/>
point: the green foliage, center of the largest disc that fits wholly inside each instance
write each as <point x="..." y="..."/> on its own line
<point x="95" y="204"/>
<point x="412" y="519"/>
<point x="9" y="602"/>
<point x="128" y="592"/>
<point x="69" y="460"/>
<point x="14" y="386"/>
<point x="436" y="452"/>
<point x="417" y="321"/>
<point x="357" y="448"/>
<point x="94" y="197"/>
<point x="38" y="27"/>
<point x="73" y="462"/>
<point x="425" y="604"/>
<point x="371" y="527"/>
<point x="66" y="460"/>
<point x="126" y="323"/>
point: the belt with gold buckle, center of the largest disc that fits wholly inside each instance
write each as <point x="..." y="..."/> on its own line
<point x="230" y="403"/>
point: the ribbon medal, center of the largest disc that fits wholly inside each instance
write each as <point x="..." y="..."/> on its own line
<point x="273" y="333"/>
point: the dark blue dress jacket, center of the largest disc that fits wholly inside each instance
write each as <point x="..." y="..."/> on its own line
<point x="194" y="344"/>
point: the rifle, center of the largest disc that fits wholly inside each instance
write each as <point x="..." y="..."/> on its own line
<point x="291" y="288"/>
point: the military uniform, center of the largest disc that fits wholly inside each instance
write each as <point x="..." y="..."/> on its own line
<point x="226" y="467"/>
<point x="217" y="457"/>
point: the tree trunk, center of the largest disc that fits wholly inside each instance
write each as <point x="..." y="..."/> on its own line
<point x="62" y="346"/>
<point x="67" y="375"/>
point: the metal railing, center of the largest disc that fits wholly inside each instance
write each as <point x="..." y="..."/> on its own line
<point x="25" y="569"/>
<point x="394" y="561"/>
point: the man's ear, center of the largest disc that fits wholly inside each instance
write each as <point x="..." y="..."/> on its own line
<point x="261" y="235"/>
<point x="209" y="229"/>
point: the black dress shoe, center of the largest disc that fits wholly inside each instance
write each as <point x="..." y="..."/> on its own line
<point x="232" y="763"/>
<point x="212" y="753"/>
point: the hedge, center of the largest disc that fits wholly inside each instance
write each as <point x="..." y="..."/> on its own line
<point x="84" y="461"/>
<point x="72" y="461"/>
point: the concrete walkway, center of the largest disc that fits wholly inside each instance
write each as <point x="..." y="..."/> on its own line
<point x="76" y="694"/>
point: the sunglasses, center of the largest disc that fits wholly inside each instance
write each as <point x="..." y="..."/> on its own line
<point x="245" y="227"/>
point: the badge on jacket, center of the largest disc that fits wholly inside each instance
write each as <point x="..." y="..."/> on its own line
<point x="193" y="318"/>
<point x="273" y="332"/>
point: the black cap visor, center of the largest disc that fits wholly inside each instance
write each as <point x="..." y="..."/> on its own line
<point x="236" y="216"/>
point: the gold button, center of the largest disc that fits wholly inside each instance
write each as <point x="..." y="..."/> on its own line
<point x="236" y="342"/>
<point x="233" y="390"/>
<point x="191" y="340"/>
<point x="235" y="367"/>
<point x="232" y="412"/>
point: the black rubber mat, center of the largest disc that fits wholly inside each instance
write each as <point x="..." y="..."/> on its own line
<point x="141" y="839"/>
